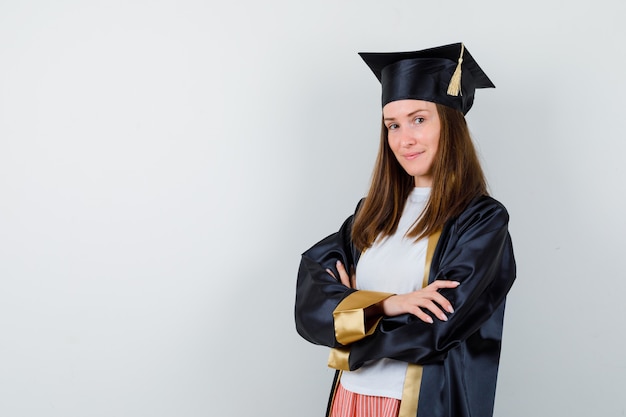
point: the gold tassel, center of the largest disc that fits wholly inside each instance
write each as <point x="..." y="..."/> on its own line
<point x="454" y="88"/>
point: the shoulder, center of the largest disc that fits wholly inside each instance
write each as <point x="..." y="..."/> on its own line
<point x="485" y="204"/>
<point x="484" y="212"/>
<point x="359" y="205"/>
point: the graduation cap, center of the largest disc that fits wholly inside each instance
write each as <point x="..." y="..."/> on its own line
<point x="447" y="75"/>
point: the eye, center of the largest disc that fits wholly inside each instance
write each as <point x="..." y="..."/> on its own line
<point x="418" y="120"/>
<point x="392" y="126"/>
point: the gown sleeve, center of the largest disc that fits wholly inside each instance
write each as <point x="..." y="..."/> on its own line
<point x="326" y="311"/>
<point x="475" y="250"/>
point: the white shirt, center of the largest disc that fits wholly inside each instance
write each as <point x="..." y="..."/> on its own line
<point x="394" y="264"/>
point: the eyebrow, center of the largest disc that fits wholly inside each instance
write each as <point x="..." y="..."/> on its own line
<point x="413" y="113"/>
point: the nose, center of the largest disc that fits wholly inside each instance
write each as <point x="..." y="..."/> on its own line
<point x="407" y="139"/>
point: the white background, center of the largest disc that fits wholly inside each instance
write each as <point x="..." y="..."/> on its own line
<point x="164" y="163"/>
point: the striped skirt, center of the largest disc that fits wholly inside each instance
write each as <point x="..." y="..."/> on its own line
<point x="350" y="404"/>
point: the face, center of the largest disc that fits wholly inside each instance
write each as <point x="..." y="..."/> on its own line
<point x="413" y="129"/>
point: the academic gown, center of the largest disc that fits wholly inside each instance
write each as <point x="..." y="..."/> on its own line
<point x="455" y="361"/>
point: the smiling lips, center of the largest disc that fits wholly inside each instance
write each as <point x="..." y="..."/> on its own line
<point x="412" y="155"/>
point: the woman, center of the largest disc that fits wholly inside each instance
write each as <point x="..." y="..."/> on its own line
<point x="416" y="330"/>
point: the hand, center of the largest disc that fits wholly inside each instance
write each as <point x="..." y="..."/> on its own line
<point x="428" y="298"/>
<point x="349" y="280"/>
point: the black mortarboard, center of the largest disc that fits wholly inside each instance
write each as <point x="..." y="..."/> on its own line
<point x="446" y="75"/>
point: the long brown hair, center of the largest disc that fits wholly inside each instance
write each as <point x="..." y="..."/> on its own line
<point x="457" y="179"/>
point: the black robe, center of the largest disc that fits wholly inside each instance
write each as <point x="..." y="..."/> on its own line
<point x="460" y="356"/>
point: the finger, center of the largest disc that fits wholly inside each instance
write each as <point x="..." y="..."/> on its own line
<point x="352" y="277"/>
<point x="434" y="308"/>
<point x="343" y="274"/>
<point x="443" y="302"/>
<point x="417" y="312"/>
<point x="331" y="273"/>
<point x="433" y="295"/>
<point x="443" y="283"/>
